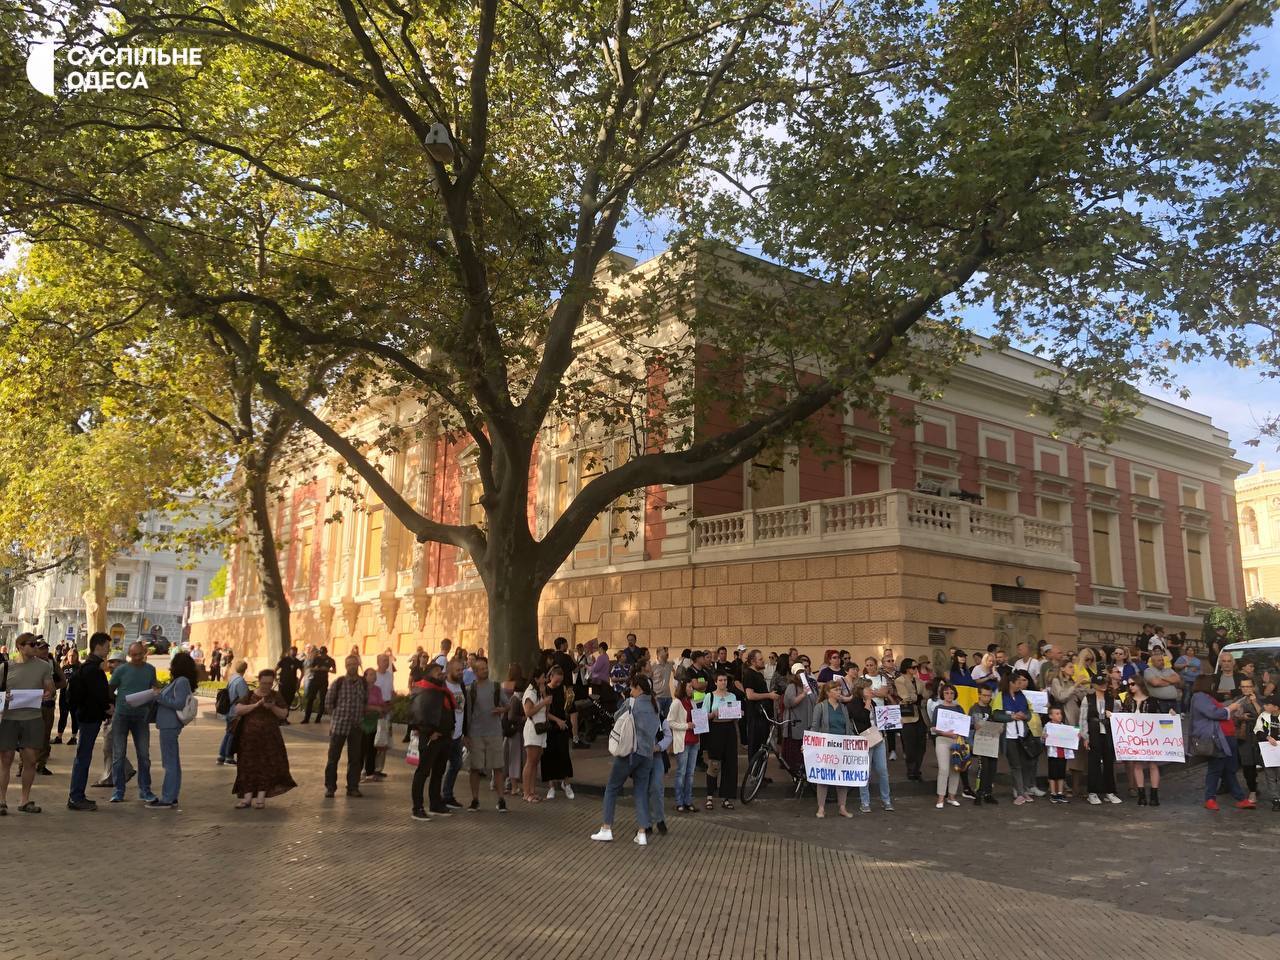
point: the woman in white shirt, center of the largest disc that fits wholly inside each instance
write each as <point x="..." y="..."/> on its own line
<point x="536" y="700"/>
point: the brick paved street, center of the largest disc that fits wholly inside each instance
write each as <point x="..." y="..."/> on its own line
<point x="347" y="878"/>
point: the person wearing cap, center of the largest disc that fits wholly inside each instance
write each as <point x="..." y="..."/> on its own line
<point x="22" y="727"/>
<point x="114" y="659"/>
<point x="911" y="698"/>
<point x="89" y="698"/>
<point x="1095" y="730"/>
<point x="48" y="707"/>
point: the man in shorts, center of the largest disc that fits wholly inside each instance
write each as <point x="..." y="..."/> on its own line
<point x="22" y="727"/>
<point x="482" y="735"/>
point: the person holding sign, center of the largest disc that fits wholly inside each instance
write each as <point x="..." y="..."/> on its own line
<point x="1058" y="757"/>
<point x="684" y="746"/>
<point x="1022" y="747"/>
<point x="980" y="714"/>
<point x="721" y="742"/>
<point x="799" y="697"/>
<point x="1267" y="731"/>
<point x="830" y="716"/>
<point x="1139" y="700"/>
<point x="862" y="717"/>
<point x="24" y="685"/>
<point x="1095" y="728"/>
<point x="946" y="736"/>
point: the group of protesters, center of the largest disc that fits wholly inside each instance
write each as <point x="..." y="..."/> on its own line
<point x="683" y="715"/>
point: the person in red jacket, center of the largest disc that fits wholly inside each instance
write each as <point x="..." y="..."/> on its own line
<point x="431" y="715"/>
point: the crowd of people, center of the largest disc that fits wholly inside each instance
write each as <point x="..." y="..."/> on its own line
<point x="684" y="716"/>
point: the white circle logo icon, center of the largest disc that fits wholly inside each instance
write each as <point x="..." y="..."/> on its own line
<point x="40" y="68"/>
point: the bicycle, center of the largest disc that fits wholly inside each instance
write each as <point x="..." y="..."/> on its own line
<point x="758" y="764"/>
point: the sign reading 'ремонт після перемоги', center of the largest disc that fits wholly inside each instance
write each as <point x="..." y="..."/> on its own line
<point x="835" y="759"/>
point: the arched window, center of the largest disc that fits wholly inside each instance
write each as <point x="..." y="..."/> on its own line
<point x="1249" y="527"/>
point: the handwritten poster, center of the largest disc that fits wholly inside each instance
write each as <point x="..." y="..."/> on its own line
<point x="949" y="721"/>
<point x="1270" y="755"/>
<point x="835" y="759"/>
<point x="730" y="711"/>
<point x="1062" y="735"/>
<point x="1148" y="737"/>
<point x="986" y="738"/>
<point x="1037" y="700"/>
<point x="701" y="722"/>
<point x="889" y="717"/>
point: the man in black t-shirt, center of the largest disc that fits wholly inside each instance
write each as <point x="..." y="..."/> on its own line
<point x="757" y="697"/>
<point x="288" y="672"/>
<point x="567" y="665"/>
<point x="318" y="687"/>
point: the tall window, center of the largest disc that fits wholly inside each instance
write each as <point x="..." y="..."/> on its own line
<point x="192" y="589"/>
<point x="306" y="540"/>
<point x="374" y="520"/>
<point x="768" y="481"/>
<point x="1249" y="526"/>
<point x="590" y="466"/>
<point x="1197" y="565"/>
<point x="160" y="588"/>
<point x="564" y="491"/>
<point x="120" y="589"/>
<point x="1149" y="557"/>
<point x="1252" y="584"/>
<point x="1102" y="543"/>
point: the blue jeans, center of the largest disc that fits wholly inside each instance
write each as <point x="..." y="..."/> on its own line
<point x="637" y="767"/>
<point x="1222" y="770"/>
<point x="686" y="765"/>
<point x="224" y="751"/>
<point x="121" y="728"/>
<point x="84" y="759"/>
<point x="657" y="773"/>
<point x="172" y="763"/>
<point x="880" y="768"/>
<point x="451" y="773"/>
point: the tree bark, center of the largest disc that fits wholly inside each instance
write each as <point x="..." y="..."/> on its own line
<point x="513" y="594"/>
<point x="95" y="592"/>
<point x="262" y="545"/>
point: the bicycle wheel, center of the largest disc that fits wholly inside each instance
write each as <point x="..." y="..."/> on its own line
<point x="754" y="779"/>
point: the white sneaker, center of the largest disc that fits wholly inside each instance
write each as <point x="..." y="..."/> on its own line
<point x="938" y="805"/>
<point x="568" y="791"/>
<point x="893" y="754"/>
<point x="1094" y="798"/>
<point x="1112" y="798"/>
<point x="1037" y="792"/>
<point x="952" y="802"/>
<point x="604" y="835"/>
<point x="551" y="793"/>
<point x="641" y="838"/>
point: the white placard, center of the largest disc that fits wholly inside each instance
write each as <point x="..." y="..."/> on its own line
<point x="701" y="721"/>
<point x="1270" y="754"/>
<point x="1148" y="737"/>
<point x="730" y="710"/>
<point x="836" y="759"/>
<point x="141" y="698"/>
<point x="1061" y="735"/>
<point x="25" y="699"/>
<point x="1037" y="700"/>
<point x="951" y="721"/>
<point x="986" y="739"/>
<point x="889" y="717"/>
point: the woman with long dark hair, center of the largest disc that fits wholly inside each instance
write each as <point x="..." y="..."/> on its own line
<point x="169" y="724"/>
<point x="721" y="743"/>
<point x="642" y="706"/>
<point x="557" y="756"/>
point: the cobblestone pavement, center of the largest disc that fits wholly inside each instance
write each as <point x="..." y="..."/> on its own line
<point x="353" y="878"/>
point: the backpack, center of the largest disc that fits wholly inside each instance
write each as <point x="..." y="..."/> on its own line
<point x="221" y="703"/>
<point x="622" y="739"/>
<point x="513" y="720"/>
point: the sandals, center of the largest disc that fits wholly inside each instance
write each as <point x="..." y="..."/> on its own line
<point x="243" y="805"/>
<point x="710" y="805"/>
<point x="727" y="804"/>
<point x="259" y="804"/>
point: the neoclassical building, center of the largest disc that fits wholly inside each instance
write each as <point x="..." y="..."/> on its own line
<point x="1258" y="495"/>
<point x="966" y="522"/>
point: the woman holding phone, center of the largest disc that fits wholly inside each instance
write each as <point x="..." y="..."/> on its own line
<point x="536" y="700"/>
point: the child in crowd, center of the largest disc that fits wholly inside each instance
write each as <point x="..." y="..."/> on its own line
<point x="1267" y="730"/>
<point x="1057" y="759"/>
<point x="986" y="766"/>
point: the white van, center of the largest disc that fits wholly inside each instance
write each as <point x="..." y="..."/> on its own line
<point x="1264" y="653"/>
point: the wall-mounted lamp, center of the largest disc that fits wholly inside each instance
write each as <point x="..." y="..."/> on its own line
<point x="942" y="597"/>
<point x="1020" y="582"/>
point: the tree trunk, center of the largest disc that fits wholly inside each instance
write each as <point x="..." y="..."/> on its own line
<point x="95" y="592"/>
<point x="513" y="612"/>
<point x="262" y="545"/>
